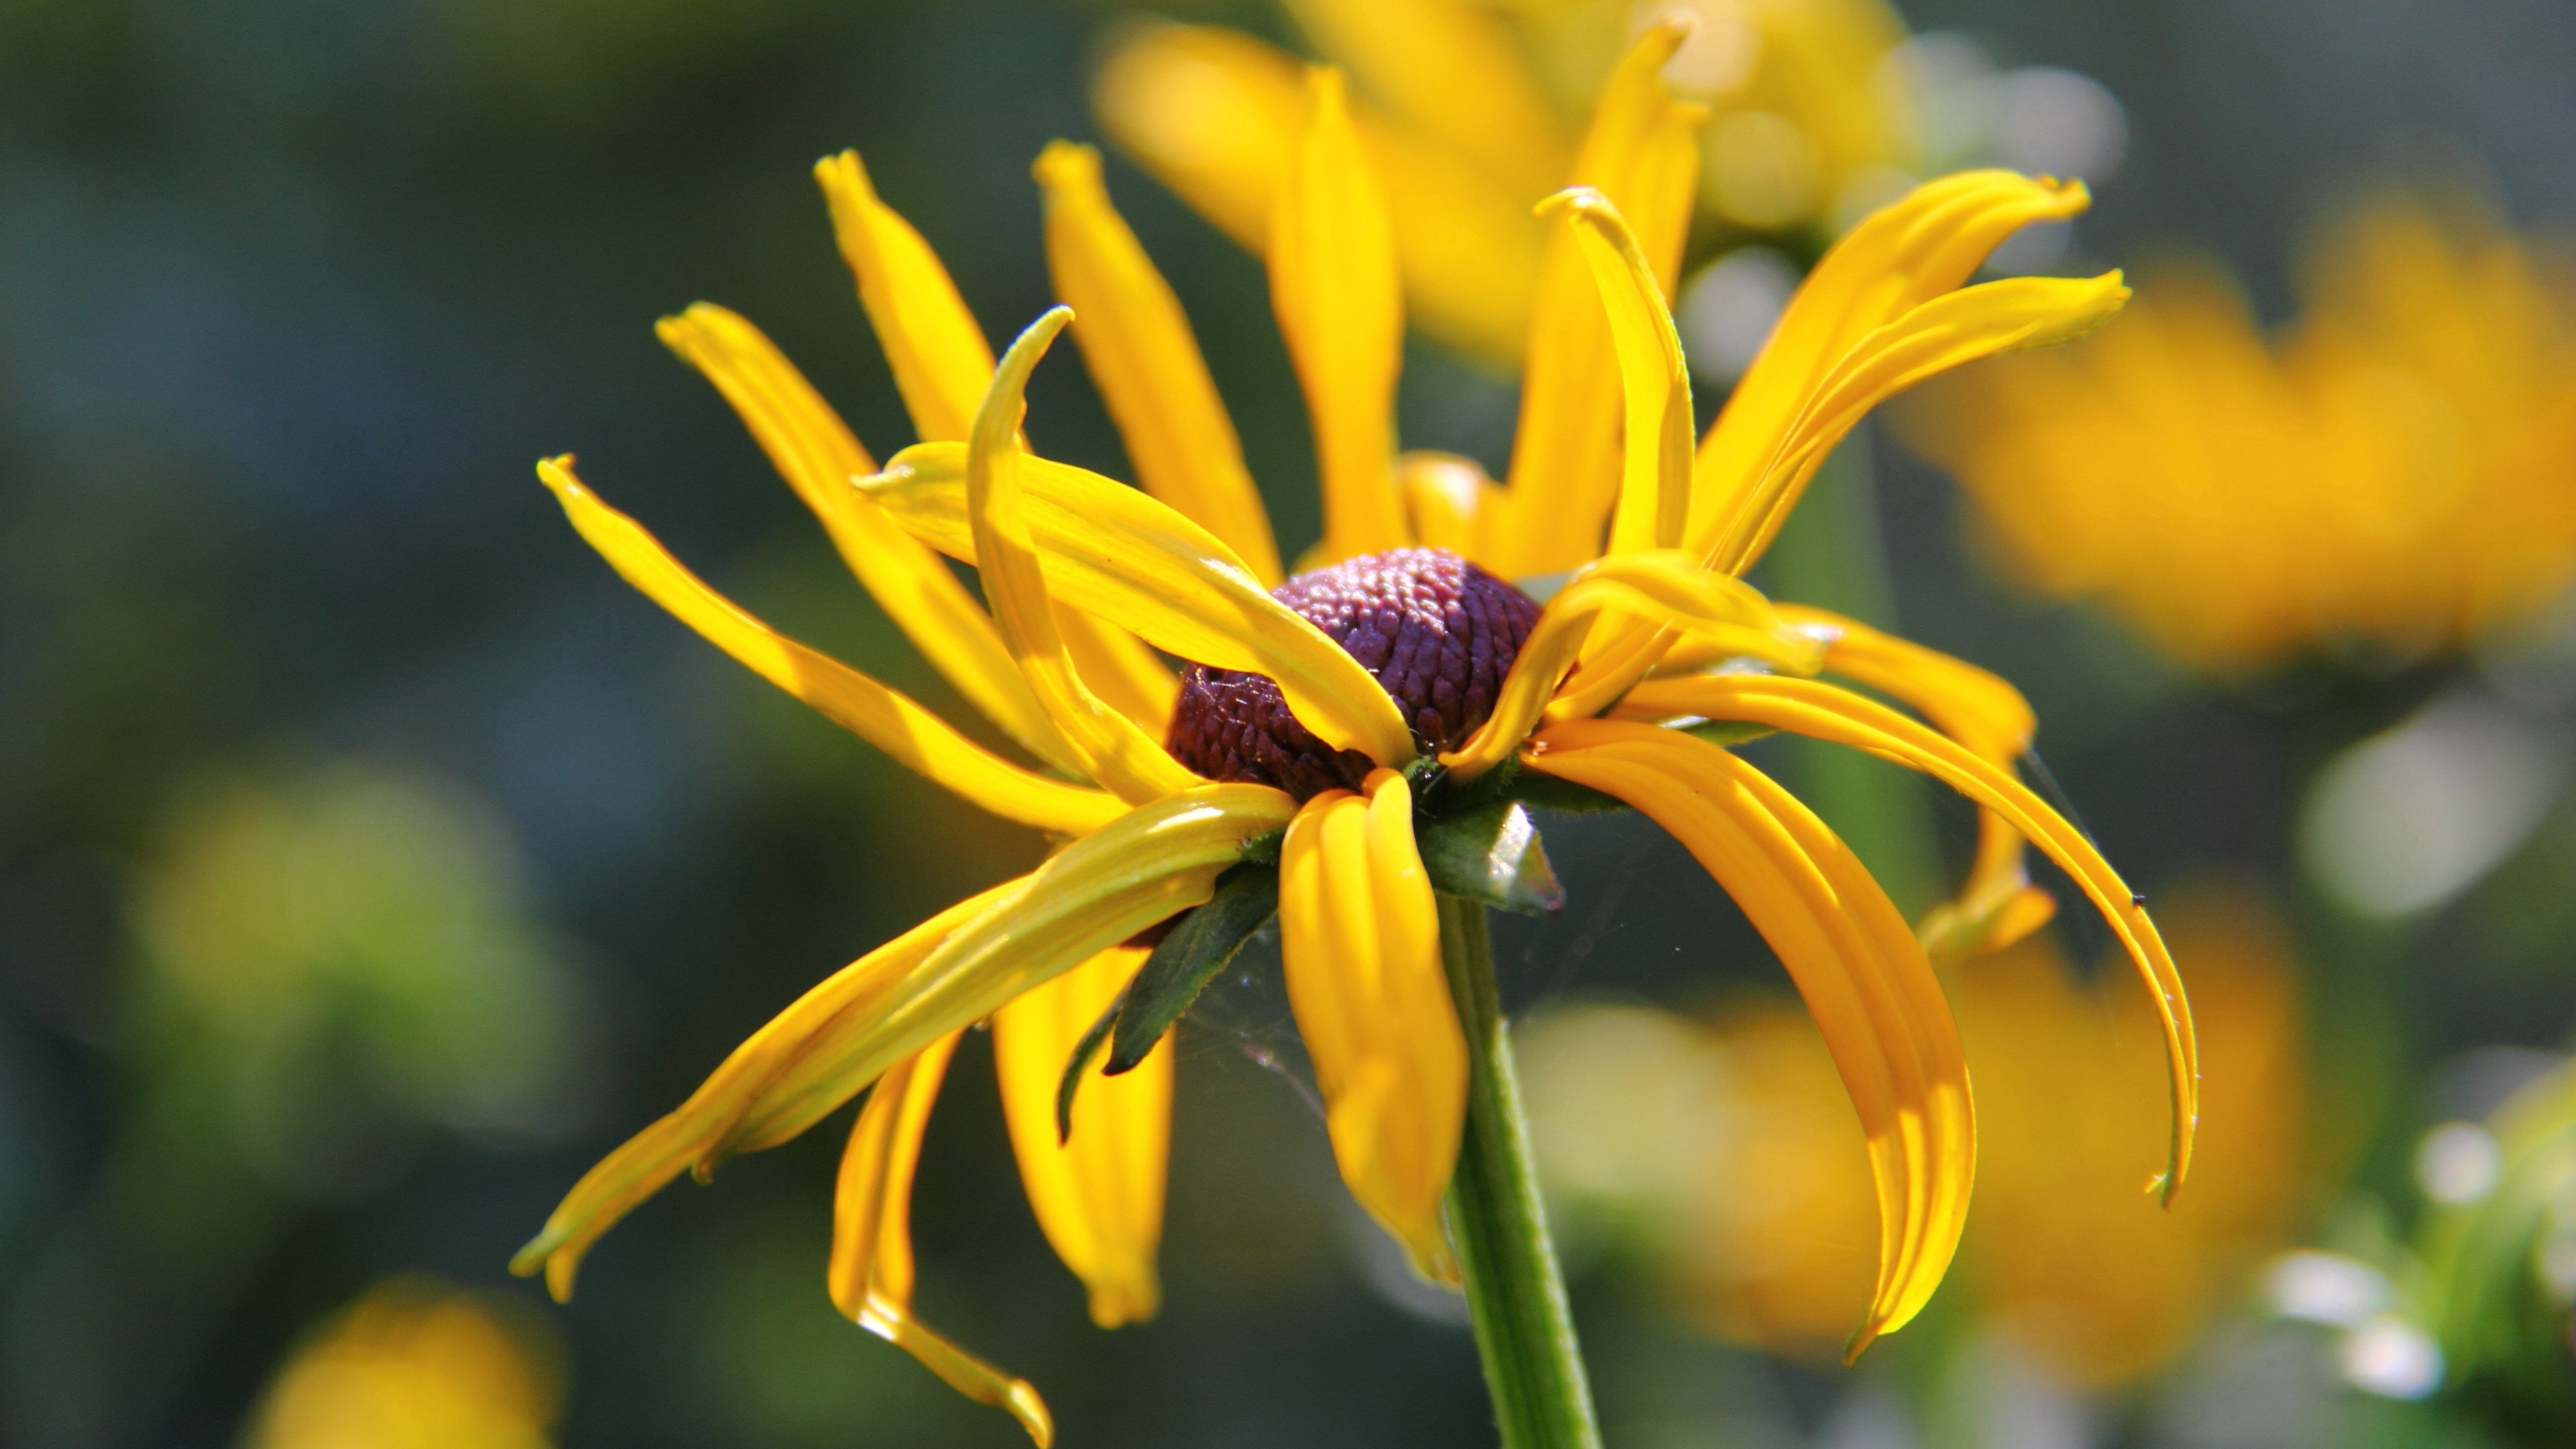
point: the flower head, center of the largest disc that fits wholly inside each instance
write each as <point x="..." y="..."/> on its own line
<point x="1415" y="694"/>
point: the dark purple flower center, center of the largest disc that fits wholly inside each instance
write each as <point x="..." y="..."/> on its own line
<point x="1437" y="631"/>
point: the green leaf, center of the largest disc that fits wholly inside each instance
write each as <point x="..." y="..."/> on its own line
<point x="1727" y="731"/>
<point x="1188" y="959"/>
<point x="1491" y="854"/>
<point x="1083" y="1051"/>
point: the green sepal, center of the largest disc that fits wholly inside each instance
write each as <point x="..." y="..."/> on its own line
<point x="1492" y="855"/>
<point x="1727" y="732"/>
<point x="1083" y="1051"/>
<point x="1185" y="961"/>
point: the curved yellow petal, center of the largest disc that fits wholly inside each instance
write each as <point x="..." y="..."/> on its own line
<point x="1863" y="975"/>
<point x="1997" y="905"/>
<point x="815" y="452"/>
<point x="1450" y="70"/>
<point x="916" y="738"/>
<point x="1111" y="551"/>
<point x="1641" y="152"/>
<point x="1654" y="486"/>
<point x="1335" y="286"/>
<point x="1661" y="588"/>
<point x="1118" y="667"/>
<point x="1115" y="750"/>
<point x="1981" y="321"/>
<point x="651" y="1158"/>
<point x="1098" y="1193"/>
<point x="1146" y="361"/>
<point x="1156" y="860"/>
<point x="871" y="1268"/>
<point x="1360" y="941"/>
<point x="940" y="359"/>
<point x="1924" y="244"/>
<point x="1806" y="707"/>
<point x="1449" y="501"/>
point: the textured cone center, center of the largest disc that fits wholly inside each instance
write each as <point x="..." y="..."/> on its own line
<point x="1437" y="631"/>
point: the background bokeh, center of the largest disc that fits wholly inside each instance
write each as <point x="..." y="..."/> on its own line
<point x="371" y="859"/>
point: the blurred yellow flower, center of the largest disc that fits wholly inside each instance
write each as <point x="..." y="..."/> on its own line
<point x="415" y="1364"/>
<point x="2393" y="472"/>
<point x="1756" y="1197"/>
<point x="1399" y="663"/>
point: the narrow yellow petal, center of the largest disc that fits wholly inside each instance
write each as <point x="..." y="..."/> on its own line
<point x="817" y="455"/>
<point x="1642" y="153"/>
<point x="1115" y="751"/>
<point x="1449" y="501"/>
<point x="1113" y="552"/>
<point x="939" y="357"/>
<point x="1098" y="1193"/>
<point x="1450" y="70"/>
<point x="1660" y="588"/>
<point x="1156" y="860"/>
<point x="1120" y="669"/>
<point x="871" y="1268"/>
<point x="1958" y="327"/>
<point x="1863" y="975"/>
<point x="651" y="1158"/>
<point x="1335" y="286"/>
<point x="916" y="738"/>
<point x="1907" y="253"/>
<point x="1360" y="939"/>
<point x="1654" y="487"/>
<point x="1146" y="361"/>
<point x="1806" y="707"/>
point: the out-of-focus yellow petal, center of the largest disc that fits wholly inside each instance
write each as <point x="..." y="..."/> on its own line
<point x="1449" y="69"/>
<point x="1098" y="1193"/>
<point x="916" y="738"/>
<point x="1862" y="973"/>
<point x="1360" y="940"/>
<point x="1146" y="361"/>
<point x="1334" y="284"/>
<point x="1997" y="905"/>
<point x="817" y="455"/>
<point x="1115" y="749"/>
<point x="1641" y="152"/>
<point x="1654" y="487"/>
<point x="1449" y="501"/>
<point x="1111" y="551"/>
<point x="1661" y="588"/>
<point x="1904" y="255"/>
<point x="940" y="359"/>
<point x="1804" y="706"/>
<point x="871" y="1269"/>
<point x="689" y="1135"/>
<point x="1981" y="321"/>
<point x="1156" y="860"/>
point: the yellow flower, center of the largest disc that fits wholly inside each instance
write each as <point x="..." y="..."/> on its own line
<point x="2392" y="473"/>
<point x="1279" y="743"/>
<point x="412" y="1365"/>
<point x="1464" y="122"/>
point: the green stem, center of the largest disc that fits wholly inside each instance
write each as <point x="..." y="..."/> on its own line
<point x="1515" y="1295"/>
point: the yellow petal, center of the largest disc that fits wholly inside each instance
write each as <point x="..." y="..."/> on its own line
<point x="1111" y="551"/>
<point x="1450" y="70"/>
<point x="1826" y="712"/>
<point x="1660" y="588"/>
<point x="871" y="1268"/>
<point x="815" y="452"/>
<point x="939" y="357"/>
<point x="1146" y="361"/>
<point x="1923" y="245"/>
<point x="1997" y="905"/>
<point x="1861" y="972"/>
<point x="1642" y="153"/>
<point x="1156" y="860"/>
<point x="1120" y="669"/>
<point x="1099" y="1192"/>
<point x="1334" y="284"/>
<point x="1360" y="941"/>
<point x="915" y="737"/>
<point x="1960" y="327"/>
<point x="1115" y="751"/>
<point x="1449" y="501"/>
<point x="1654" y="487"/>
<point x="651" y="1158"/>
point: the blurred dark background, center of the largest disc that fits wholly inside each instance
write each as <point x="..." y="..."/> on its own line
<point x="292" y="295"/>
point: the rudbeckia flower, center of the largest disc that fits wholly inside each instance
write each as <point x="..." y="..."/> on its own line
<point x="1350" y="745"/>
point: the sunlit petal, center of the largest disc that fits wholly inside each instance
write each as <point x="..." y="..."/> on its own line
<point x="1449" y="69"/>
<point x="1654" y="488"/>
<point x="915" y="737"/>
<point x="940" y="359"/>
